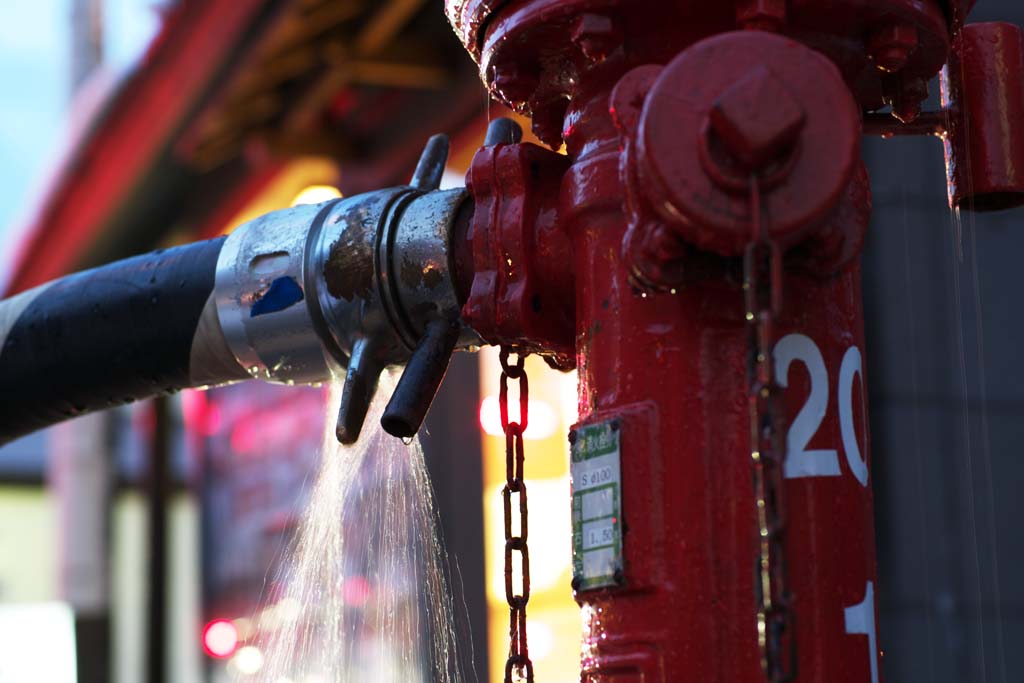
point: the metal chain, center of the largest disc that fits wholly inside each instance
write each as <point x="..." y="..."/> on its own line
<point x="762" y="287"/>
<point x="518" y="652"/>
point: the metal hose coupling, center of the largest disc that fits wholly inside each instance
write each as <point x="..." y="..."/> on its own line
<point x="364" y="282"/>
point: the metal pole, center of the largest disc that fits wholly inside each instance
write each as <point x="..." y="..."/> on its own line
<point x="81" y="477"/>
<point x="457" y="476"/>
<point x="157" y="490"/>
<point x="86" y="40"/>
<point x="82" y="473"/>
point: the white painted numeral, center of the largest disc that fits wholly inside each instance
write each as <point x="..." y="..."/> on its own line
<point x="801" y="462"/>
<point x="850" y="367"/>
<point x="860" y="620"/>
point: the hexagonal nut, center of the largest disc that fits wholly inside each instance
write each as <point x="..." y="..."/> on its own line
<point x="761" y="15"/>
<point x="891" y="45"/>
<point x="906" y="96"/>
<point x="597" y="35"/>
<point x="656" y="256"/>
<point x="757" y="118"/>
<point x="514" y="83"/>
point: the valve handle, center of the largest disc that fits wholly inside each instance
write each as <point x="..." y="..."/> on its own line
<point x="503" y="131"/>
<point x="430" y="167"/>
<point x="360" y="385"/>
<point x="421" y="379"/>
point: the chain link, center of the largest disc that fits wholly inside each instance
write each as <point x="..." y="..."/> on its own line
<point x="762" y="287"/>
<point x="518" y="652"/>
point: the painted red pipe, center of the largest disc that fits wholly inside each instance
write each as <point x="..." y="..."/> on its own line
<point x="985" y="143"/>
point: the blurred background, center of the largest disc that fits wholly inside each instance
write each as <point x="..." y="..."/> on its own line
<point x="145" y="544"/>
<point x="142" y="544"/>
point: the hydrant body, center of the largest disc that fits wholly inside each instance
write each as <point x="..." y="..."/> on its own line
<point x="687" y="142"/>
<point x="673" y="368"/>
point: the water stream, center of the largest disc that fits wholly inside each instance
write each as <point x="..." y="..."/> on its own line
<point x="367" y="595"/>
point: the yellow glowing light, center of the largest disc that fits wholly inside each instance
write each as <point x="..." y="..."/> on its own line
<point x="248" y="660"/>
<point x="541" y="639"/>
<point x="314" y="194"/>
<point x="554" y="623"/>
<point x="550" y="549"/>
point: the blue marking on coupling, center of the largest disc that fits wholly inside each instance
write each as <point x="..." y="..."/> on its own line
<point x="282" y="293"/>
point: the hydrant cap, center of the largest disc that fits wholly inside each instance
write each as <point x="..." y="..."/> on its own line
<point x="740" y="104"/>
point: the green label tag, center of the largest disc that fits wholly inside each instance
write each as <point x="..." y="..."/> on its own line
<point x="596" y="506"/>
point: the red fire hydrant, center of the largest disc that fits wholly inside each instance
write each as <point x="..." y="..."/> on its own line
<point x="695" y="255"/>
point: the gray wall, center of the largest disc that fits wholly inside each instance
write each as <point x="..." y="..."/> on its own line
<point x="944" y="340"/>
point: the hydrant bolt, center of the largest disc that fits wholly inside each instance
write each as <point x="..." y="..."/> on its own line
<point x="514" y="83"/>
<point x="657" y="257"/>
<point x="761" y="15"/>
<point x="596" y="35"/>
<point x="891" y="45"/>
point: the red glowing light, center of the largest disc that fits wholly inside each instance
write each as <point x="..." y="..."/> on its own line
<point x="356" y="591"/>
<point x="543" y="418"/>
<point x="201" y="415"/>
<point x="220" y="638"/>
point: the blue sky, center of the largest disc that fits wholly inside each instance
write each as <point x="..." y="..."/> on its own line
<point x="34" y="73"/>
<point x="34" y="95"/>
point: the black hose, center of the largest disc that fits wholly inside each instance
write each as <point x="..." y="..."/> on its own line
<point x="107" y="336"/>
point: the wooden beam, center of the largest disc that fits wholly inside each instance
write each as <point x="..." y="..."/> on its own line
<point x="385" y="25"/>
<point x="399" y="75"/>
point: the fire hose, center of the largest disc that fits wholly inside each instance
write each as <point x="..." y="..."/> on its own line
<point x="358" y="283"/>
<point x="111" y="335"/>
